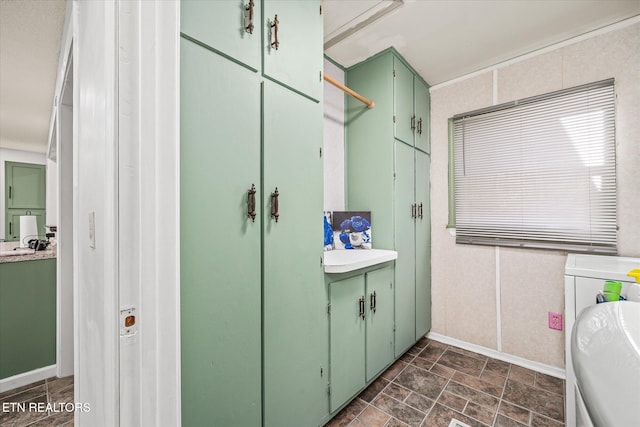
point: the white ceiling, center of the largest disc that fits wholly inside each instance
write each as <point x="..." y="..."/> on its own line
<point x="30" y="37"/>
<point x="442" y="40"/>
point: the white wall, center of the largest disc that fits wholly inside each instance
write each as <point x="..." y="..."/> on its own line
<point x="8" y="155"/>
<point x="333" y="152"/>
<point x="499" y="297"/>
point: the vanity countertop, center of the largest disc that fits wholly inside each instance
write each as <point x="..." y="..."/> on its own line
<point x="343" y="261"/>
<point x="11" y="252"/>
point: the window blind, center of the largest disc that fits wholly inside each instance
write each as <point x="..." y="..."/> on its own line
<point x="539" y="172"/>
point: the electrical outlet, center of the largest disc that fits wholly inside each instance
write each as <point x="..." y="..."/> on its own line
<point x="555" y="321"/>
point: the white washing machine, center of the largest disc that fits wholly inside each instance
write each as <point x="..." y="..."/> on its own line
<point x="584" y="277"/>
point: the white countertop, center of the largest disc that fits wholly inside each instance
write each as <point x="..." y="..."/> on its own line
<point x="343" y="261"/>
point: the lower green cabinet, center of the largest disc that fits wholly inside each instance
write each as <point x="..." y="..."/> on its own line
<point x="13" y="224"/>
<point x="379" y="320"/>
<point x="361" y="328"/>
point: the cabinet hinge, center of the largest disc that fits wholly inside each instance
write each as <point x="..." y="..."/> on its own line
<point x="394" y="327"/>
<point x="394" y="73"/>
<point x="328" y="308"/>
<point x="321" y="261"/>
<point x="394" y="118"/>
<point x="394" y="175"/>
<point x="321" y="371"/>
<point x="329" y="388"/>
<point x="320" y="151"/>
<point x="320" y="9"/>
<point x="320" y="75"/>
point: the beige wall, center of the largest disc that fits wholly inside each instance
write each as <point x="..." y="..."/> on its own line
<point x="472" y="284"/>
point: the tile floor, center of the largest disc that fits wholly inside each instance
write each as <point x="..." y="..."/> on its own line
<point x="56" y="391"/>
<point x="434" y="382"/>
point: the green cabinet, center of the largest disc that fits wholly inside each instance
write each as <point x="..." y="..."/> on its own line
<point x="25" y="194"/>
<point x="25" y="185"/>
<point x="295" y="336"/>
<point x="361" y="328"/>
<point x="387" y="173"/>
<point x="254" y="325"/>
<point x="27" y="316"/>
<point x="220" y="306"/>
<point x="12" y="221"/>
<point x="295" y="63"/>
<point x="220" y="25"/>
<point x="413" y="237"/>
<point x="411" y="107"/>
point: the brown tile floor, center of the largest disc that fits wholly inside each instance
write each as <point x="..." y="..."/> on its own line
<point x="434" y="382"/>
<point x="54" y="391"/>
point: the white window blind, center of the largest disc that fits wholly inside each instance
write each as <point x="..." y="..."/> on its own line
<point x="539" y="172"/>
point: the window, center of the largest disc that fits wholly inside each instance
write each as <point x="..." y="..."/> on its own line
<point x="539" y="172"/>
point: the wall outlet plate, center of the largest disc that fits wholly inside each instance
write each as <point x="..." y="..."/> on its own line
<point x="555" y="321"/>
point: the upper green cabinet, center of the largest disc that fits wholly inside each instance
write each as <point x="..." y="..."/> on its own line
<point x="282" y="38"/>
<point x="297" y="60"/>
<point x="25" y="185"/>
<point x="220" y="24"/>
<point x="411" y="106"/>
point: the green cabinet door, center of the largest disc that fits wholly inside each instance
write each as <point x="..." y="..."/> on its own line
<point x="12" y="227"/>
<point x="423" y="247"/>
<point x="405" y="120"/>
<point x="219" y="305"/>
<point x="297" y="62"/>
<point x="405" y="210"/>
<point x="422" y="103"/>
<point x="347" y="339"/>
<point x="379" y="317"/>
<point x="220" y="24"/>
<point x="25" y="185"/>
<point x="295" y="320"/>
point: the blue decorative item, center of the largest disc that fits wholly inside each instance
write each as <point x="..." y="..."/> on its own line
<point x="328" y="233"/>
<point x="352" y="230"/>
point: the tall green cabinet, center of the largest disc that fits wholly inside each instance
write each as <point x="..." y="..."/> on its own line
<point x="254" y="325"/>
<point x="387" y="172"/>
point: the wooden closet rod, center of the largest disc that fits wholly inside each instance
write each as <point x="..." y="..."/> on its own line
<point x="351" y="92"/>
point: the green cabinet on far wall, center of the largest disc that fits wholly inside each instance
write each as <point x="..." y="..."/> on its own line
<point x="411" y="107"/>
<point x="361" y="329"/>
<point x="387" y="173"/>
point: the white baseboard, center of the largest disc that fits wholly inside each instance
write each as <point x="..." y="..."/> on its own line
<point x="509" y="358"/>
<point x="27" y="378"/>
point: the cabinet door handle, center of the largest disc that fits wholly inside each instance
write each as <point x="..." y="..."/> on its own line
<point x="413" y="122"/>
<point x="420" y="126"/>
<point x="251" y="203"/>
<point x="275" y="43"/>
<point x="275" y="209"/>
<point x="10" y="228"/>
<point x="9" y="191"/>
<point x="413" y="211"/>
<point x="420" y="211"/>
<point x="361" y="302"/>
<point x="248" y="17"/>
<point x="372" y="301"/>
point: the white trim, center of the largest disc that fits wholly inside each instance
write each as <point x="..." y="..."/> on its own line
<point x="613" y="27"/>
<point x="498" y="302"/>
<point x="509" y="358"/>
<point x="27" y="378"/>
